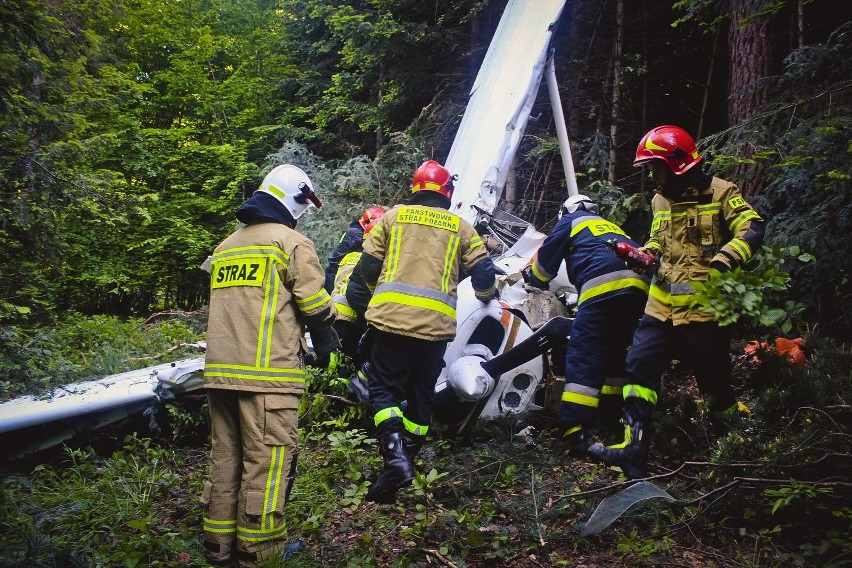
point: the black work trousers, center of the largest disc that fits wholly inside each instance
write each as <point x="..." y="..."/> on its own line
<point x="349" y="334"/>
<point x="404" y="369"/>
<point x="704" y="346"/>
<point x="600" y="336"/>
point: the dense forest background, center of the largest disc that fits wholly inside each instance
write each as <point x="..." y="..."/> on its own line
<point x="131" y="130"/>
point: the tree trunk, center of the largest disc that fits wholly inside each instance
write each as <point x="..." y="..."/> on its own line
<point x="644" y="112"/>
<point x="380" y="133"/>
<point x="752" y="59"/>
<point x="800" y="23"/>
<point x="540" y="199"/>
<point x="708" y="84"/>
<point x="616" y="88"/>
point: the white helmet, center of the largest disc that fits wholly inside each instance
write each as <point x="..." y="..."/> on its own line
<point x="578" y="202"/>
<point x="292" y="187"/>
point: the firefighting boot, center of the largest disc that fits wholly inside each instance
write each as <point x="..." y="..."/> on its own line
<point x="398" y="472"/>
<point x="575" y="440"/>
<point x="217" y="554"/>
<point x="631" y="455"/>
<point x="267" y="552"/>
<point x="412" y="444"/>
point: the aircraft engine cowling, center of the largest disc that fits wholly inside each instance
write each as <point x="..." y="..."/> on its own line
<point x="468" y="379"/>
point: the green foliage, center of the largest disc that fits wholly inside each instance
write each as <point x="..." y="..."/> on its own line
<point x="325" y="406"/>
<point x="785" y="496"/>
<point x="483" y="499"/>
<point x="644" y="549"/>
<point x="33" y="361"/>
<point x="632" y="212"/>
<point x="349" y="186"/>
<point x="801" y="144"/>
<point x="104" y="512"/>
<point x="186" y="422"/>
<point x="131" y="132"/>
<point x="366" y="67"/>
<point x="755" y="297"/>
<point x="424" y="484"/>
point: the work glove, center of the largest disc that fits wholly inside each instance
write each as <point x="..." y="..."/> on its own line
<point x="531" y="280"/>
<point x="325" y="342"/>
<point x="325" y="361"/>
<point x="487" y="299"/>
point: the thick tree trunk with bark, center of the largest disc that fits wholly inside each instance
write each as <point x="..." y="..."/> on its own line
<point x="616" y="88"/>
<point x="752" y="50"/>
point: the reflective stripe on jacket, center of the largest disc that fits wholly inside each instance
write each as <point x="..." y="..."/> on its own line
<point x="703" y="226"/>
<point x="579" y="239"/>
<point x="350" y="241"/>
<point x="341" y="280"/>
<point x="422" y="249"/>
<point x="265" y="280"/>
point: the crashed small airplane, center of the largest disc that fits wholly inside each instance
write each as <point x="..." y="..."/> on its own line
<point x="496" y="365"/>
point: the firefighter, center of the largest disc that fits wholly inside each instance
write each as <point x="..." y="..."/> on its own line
<point x="611" y="300"/>
<point x="701" y="224"/>
<point x="406" y="282"/>
<point x="266" y="283"/>
<point x="349" y="325"/>
<point x="351" y="240"/>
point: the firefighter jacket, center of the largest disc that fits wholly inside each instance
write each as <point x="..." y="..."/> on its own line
<point x="351" y="240"/>
<point x="341" y="282"/>
<point x="412" y="263"/>
<point x="580" y="239"/>
<point x="266" y="282"/>
<point x="703" y="226"/>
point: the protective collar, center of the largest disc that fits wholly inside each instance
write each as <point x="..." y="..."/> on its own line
<point x="264" y="208"/>
<point x="430" y="199"/>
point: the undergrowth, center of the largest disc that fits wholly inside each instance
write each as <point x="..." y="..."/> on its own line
<point x="32" y="361"/>
<point x="773" y="490"/>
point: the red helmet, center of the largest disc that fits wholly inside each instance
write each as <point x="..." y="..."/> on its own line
<point x="433" y="176"/>
<point x="370" y="217"/>
<point x="671" y="144"/>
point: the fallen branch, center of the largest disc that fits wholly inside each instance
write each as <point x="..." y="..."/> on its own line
<point x="342" y="399"/>
<point x="761" y="481"/>
<point x="166" y="352"/>
<point x="438" y="556"/>
<point x="535" y="506"/>
<point x="168" y="313"/>
<point x="619" y="484"/>
<point x="742" y="465"/>
<point x="700" y="498"/>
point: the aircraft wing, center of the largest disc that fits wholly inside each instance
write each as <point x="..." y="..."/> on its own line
<point x="500" y="103"/>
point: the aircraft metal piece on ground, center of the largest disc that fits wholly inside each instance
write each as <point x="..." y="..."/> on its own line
<point x="37" y="422"/>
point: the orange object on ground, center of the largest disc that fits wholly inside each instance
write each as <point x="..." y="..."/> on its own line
<point x="792" y="348"/>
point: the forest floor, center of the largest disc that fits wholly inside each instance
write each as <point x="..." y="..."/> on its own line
<point x="503" y="494"/>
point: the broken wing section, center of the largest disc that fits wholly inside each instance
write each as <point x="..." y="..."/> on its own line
<point x="38" y="422"/>
<point x="499" y="107"/>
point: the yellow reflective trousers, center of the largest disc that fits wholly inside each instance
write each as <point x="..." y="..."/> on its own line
<point x="253" y="455"/>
